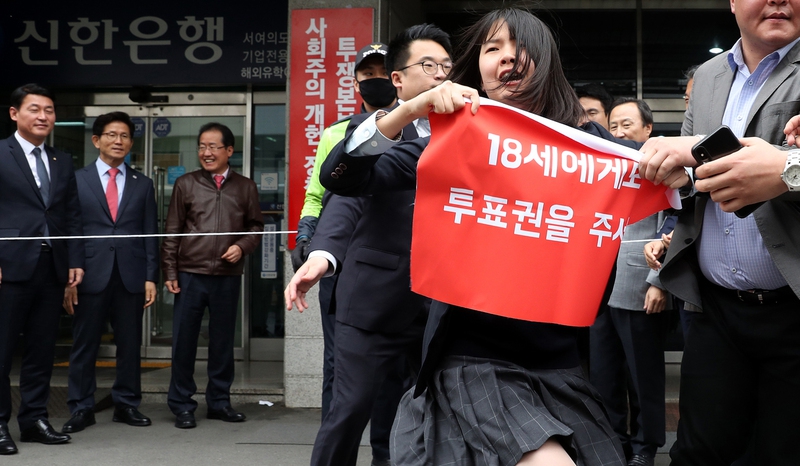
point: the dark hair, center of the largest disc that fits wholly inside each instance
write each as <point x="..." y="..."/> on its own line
<point x="21" y="92"/>
<point x="399" y="46"/>
<point x="690" y="72"/>
<point x="107" y="118"/>
<point x="546" y="92"/>
<point x="644" y="109"/>
<point x="596" y="91"/>
<point x="227" y="135"/>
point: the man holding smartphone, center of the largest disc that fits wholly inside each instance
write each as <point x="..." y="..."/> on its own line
<point x="739" y="375"/>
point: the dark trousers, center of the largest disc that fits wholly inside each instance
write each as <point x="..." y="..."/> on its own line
<point x="124" y="310"/>
<point x="382" y="418"/>
<point x="740" y="380"/>
<point x="32" y="308"/>
<point x="365" y="364"/>
<point x="326" y="287"/>
<point x="620" y="337"/>
<point x="220" y="293"/>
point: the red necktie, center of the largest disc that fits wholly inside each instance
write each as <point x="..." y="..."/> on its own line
<point x="112" y="197"/>
<point x="218" y="179"/>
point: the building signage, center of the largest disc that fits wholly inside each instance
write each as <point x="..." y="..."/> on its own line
<point x="269" y="251"/>
<point x="175" y="172"/>
<point x="324" y="47"/>
<point x="161" y="127"/>
<point x="138" y="127"/>
<point x="153" y="43"/>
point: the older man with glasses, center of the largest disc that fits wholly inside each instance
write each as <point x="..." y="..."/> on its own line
<point x="121" y="274"/>
<point x="206" y="271"/>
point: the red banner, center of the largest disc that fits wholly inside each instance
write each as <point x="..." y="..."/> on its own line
<point x="323" y="46"/>
<point x="525" y="218"/>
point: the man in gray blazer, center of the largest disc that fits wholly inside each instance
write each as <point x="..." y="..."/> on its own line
<point x="631" y="331"/>
<point x="740" y="374"/>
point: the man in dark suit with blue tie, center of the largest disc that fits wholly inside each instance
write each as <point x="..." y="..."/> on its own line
<point x="121" y="273"/>
<point x="38" y="198"/>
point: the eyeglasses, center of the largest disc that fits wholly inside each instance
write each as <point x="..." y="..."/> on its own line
<point x="113" y="136"/>
<point x="430" y="67"/>
<point x="202" y="148"/>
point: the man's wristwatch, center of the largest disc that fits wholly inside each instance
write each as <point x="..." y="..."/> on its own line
<point x="791" y="172"/>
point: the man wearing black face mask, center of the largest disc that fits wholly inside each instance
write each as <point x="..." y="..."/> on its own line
<point x="377" y="91"/>
<point x="372" y="82"/>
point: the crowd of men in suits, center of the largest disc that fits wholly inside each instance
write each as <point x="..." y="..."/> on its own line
<point x="112" y="274"/>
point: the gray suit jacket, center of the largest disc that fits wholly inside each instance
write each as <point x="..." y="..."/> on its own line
<point x="631" y="282"/>
<point x="778" y="219"/>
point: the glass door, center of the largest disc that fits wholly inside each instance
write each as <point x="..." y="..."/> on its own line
<point x="266" y="281"/>
<point x="174" y="152"/>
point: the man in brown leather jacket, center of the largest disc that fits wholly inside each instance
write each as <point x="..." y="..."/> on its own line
<point x="206" y="271"/>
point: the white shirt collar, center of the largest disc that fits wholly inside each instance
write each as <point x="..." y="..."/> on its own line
<point x="736" y="56"/>
<point x="103" y="168"/>
<point x="27" y="146"/>
<point x="224" y="175"/>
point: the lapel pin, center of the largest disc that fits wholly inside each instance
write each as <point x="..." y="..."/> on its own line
<point x="54" y="158"/>
<point x="134" y="177"/>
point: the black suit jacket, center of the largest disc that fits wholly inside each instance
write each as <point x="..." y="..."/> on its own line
<point x="24" y="213"/>
<point x="370" y="237"/>
<point x="397" y="170"/>
<point x="137" y="258"/>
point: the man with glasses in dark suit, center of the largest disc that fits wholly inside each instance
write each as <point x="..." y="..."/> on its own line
<point x="121" y="274"/>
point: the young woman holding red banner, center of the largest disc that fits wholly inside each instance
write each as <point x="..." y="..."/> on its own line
<point x="499" y="390"/>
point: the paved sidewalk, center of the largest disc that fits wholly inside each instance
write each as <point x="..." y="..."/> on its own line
<point x="273" y="436"/>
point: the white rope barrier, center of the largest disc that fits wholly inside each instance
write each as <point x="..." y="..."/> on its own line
<point x="640" y="240"/>
<point x="164" y="235"/>
<point x="153" y="235"/>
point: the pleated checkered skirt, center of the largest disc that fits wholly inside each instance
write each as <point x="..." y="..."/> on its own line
<point x="482" y="412"/>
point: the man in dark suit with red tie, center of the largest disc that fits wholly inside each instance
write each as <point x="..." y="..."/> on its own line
<point x="121" y="273"/>
<point x="38" y="198"/>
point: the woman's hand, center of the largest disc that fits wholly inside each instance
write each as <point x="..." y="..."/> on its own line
<point x="447" y="97"/>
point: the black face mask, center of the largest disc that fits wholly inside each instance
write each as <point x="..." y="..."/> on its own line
<point x="377" y="92"/>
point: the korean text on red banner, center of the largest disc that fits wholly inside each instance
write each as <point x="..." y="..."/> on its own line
<point x="522" y="217"/>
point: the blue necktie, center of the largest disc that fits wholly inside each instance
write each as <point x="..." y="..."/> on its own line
<point x="44" y="179"/>
<point x="44" y="184"/>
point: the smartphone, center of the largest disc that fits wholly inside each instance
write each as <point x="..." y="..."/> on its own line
<point x="716" y="145"/>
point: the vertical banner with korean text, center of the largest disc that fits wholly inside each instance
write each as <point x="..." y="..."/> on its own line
<point x="324" y="43"/>
<point x="522" y="217"/>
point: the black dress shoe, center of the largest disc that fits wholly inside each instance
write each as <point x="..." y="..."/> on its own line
<point x="43" y="432"/>
<point x="226" y="414"/>
<point x="185" y="420"/>
<point x="80" y="420"/>
<point x="7" y="446"/>
<point x="641" y="460"/>
<point x="131" y="416"/>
